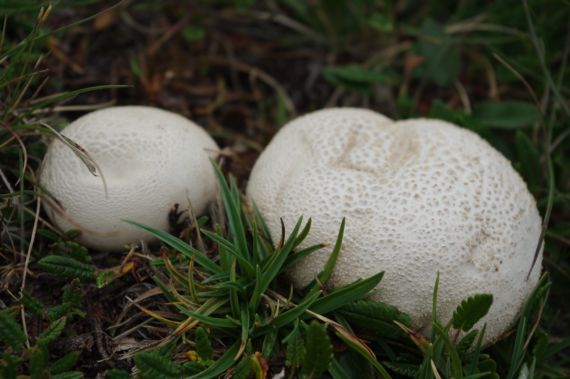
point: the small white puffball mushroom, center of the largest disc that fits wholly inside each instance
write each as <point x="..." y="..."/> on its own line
<point x="419" y="196"/>
<point x="149" y="160"/>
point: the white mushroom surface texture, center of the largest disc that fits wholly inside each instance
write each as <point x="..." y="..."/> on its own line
<point x="148" y="160"/>
<point x="419" y="196"/>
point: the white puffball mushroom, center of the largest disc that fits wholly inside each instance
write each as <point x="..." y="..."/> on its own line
<point x="420" y="196"/>
<point x="150" y="160"/>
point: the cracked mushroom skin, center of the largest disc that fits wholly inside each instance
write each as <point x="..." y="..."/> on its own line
<point x="420" y="196"/>
<point x="150" y="159"/>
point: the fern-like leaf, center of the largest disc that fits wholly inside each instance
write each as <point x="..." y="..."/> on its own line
<point x="318" y="351"/>
<point x="52" y="332"/>
<point x="155" y="366"/>
<point x="203" y="344"/>
<point x="466" y="342"/>
<point x="295" y="351"/>
<point x="10" y="331"/>
<point x="38" y="363"/>
<point x="471" y="310"/>
<point x="67" y="267"/>
<point x="64" y="363"/>
<point x="32" y="305"/>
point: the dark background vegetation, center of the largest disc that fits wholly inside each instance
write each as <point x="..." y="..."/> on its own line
<point x="241" y="69"/>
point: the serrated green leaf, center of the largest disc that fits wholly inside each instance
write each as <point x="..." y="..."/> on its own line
<point x="73" y="250"/>
<point x="153" y="365"/>
<point x="9" y="366"/>
<point x="64" y="363"/>
<point x="471" y="310"/>
<point x="295" y="351"/>
<point x="506" y="114"/>
<point x="72" y="294"/>
<point x="269" y="344"/>
<point x="52" y="332"/>
<point x="38" y="363"/>
<point x="11" y="332"/>
<point x="203" y="344"/>
<point x="31" y="304"/>
<point x="318" y="351"/>
<point x="466" y="342"/>
<point x="67" y="267"/>
<point x="71" y="303"/>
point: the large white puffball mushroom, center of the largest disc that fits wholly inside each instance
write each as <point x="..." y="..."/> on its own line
<point x="150" y="159"/>
<point x="419" y="196"/>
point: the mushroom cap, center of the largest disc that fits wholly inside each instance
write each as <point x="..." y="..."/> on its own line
<point x="420" y="197"/>
<point x="150" y="160"/>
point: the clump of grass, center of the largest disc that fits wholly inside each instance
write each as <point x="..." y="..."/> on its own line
<point x="230" y="313"/>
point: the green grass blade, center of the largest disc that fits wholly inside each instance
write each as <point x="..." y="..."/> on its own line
<point x="345" y="295"/>
<point x="232" y="205"/>
<point x="304" y="233"/>
<point x="517" y="357"/>
<point x="326" y="274"/>
<point x="288" y="316"/>
<point x="244" y="318"/>
<point x="69" y="94"/>
<point x="248" y="268"/>
<point x="261" y="221"/>
<point x="234" y="301"/>
<point x="274" y="266"/>
<point x="216" y="322"/>
<point x="180" y="246"/>
<point x="456" y="366"/>
<point x="297" y="256"/>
